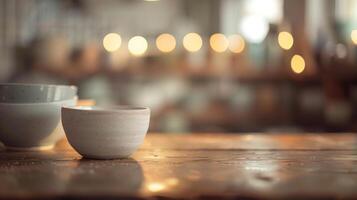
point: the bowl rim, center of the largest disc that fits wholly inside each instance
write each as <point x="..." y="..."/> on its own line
<point x="38" y="85"/>
<point x="39" y="103"/>
<point x="108" y="109"/>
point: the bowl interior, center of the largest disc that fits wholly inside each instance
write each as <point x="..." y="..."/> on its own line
<point x="35" y="93"/>
<point x="107" y="108"/>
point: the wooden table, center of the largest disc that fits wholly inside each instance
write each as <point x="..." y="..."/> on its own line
<point x="171" y="166"/>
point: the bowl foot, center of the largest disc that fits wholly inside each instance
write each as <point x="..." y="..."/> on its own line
<point x="93" y="157"/>
<point x="37" y="148"/>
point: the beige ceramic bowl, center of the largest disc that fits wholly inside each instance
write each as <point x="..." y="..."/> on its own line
<point x="31" y="126"/>
<point x="105" y="133"/>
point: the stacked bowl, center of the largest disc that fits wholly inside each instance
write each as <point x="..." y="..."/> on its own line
<point x="30" y="114"/>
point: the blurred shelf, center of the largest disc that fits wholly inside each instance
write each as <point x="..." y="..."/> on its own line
<point x="347" y="75"/>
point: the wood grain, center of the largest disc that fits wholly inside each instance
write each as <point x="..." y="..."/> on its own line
<point x="252" y="166"/>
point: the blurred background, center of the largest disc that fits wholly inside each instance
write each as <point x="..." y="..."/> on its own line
<point x="200" y="65"/>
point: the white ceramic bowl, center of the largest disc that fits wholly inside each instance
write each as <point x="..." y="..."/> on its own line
<point x="31" y="126"/>
<point x="35" y="93"/>
<point x="105" y="133"/>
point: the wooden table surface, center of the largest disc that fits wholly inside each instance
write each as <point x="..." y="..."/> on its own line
<point x="202" y="166"/>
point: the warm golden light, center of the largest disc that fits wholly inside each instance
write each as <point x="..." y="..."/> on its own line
<point x="166" y="42"/>
<point x="354" y="36"/>
<point x="218" y="42"/>
<point x="155" y="187"/>
<point x="236" y="43"/>
<point x="137" y="45"/>
<point x="112" y="42"/>
<point x="285" y="40"/>
<point x="297" y="64"/>
<point x="172" y="181"/>
<point x="192" y="42"/>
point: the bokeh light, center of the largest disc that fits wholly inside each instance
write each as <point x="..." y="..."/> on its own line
<point x="218" y="42"/>
<point x="354" y="36"/>
<point x="112" y="42"/>
<point x="236" y="43"/>
<point x="166" y="42"/>
<point x="155" y="187"/>
<point x="254" y="28"/>
<point x="137" y="45"/>
<point x="192" y="42"/>
<point x="272" y="10"/>
<point x="297" y="64"/>
<point x="285" y="40"/>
